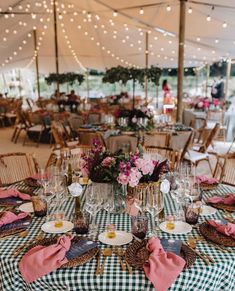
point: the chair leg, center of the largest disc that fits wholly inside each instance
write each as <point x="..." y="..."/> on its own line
<point x="17" y="135"/>
<point x="209" y="163"/>
<point x="14" y="134"/>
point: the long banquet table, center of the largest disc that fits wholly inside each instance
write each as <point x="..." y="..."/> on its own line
<point x="217" y="276"/>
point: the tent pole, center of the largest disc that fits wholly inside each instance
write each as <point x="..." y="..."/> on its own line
<point x="36" y="61"/>
<point x="207" y="78"/>
<point x="228" y="73"/>
<point x="181" y="60"/>
<point x="56" y="41"/>
<point x="146" y="64"/>
<point x="87" y="84"/>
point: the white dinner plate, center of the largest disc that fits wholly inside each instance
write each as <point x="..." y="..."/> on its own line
<point x="180" y="227"/>
<point x="207" y="210"/>
<point x="122" y="238"/>
<point x="27" y="207"/>
<point x="49" y="227"/>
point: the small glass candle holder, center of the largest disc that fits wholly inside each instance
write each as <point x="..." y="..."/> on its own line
<point x="111" y="231"/>
<point x="139" y="226"/>
<point x="39" y="206"/>
<point x="58" y="219"/>
<point x="170" y="222"/>
<point x="192" y="212"/>
<point x="81" y="223"/>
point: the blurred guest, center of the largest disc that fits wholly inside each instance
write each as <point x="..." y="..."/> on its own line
<point x="55" y="95"/>
<point x="217" y="90"/>
<point x="1" y="96"/>
<point x="72" y="97"/>
<point x="166" y="93"/>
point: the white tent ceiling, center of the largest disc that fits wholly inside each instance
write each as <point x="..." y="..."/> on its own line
<point x="90" y="36"/>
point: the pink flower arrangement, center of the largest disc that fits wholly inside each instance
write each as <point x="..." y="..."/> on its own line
<point x="102" y="167"/>
<point x="107" y="162"/>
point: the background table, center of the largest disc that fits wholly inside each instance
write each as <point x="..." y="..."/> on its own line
<point x="218" y="276"/>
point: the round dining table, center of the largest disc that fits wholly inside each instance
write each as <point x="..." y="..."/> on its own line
<point x="215" y="276"/>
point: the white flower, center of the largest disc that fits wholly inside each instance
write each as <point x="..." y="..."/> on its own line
<point x="75" y="189"/>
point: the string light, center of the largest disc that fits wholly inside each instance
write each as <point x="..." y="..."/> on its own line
<point x="224" y="24"/>
<point x="208" y="18"/>
<point x="115" y="13"/>
<point x="168" y="8"/>
<point x="190" y="10"/>
<point x="141" y="12"/>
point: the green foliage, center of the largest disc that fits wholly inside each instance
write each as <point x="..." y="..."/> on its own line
<point x="70" y="78"/>
<point x="124" y="74"/>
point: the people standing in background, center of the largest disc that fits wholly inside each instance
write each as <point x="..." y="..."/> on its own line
<point x="55" y="95"/>
<point x="166" y="93"/>
<point x="217" y="90"/>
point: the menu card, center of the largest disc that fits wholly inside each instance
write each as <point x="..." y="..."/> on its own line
<point x="79" y="248"/>
<point x="171" y="245"/>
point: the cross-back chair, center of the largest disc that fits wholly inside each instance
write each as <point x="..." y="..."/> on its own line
<point x="15" y="167"/>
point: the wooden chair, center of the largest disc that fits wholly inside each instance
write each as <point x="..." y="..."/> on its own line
<point x="126" y="143"/>
<point x="93" y="118"/>
<point x="172" y="155"/>
<point x="214" y="117"/>
<point x="199" y="126"/>
<point x="202" y="147"/>
<point x="224" y="170"/>
<point x="61" y="138"/>
<point x="15" y="167"/>
<point x="195" y="156"/>
<point x="156" y="139"/>
<point x="57" y="156"/>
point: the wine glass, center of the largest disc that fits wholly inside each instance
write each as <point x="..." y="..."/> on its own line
<point x="43" y="178"/>
<point x="154" y="206"/>
<point x="93" y="205"/>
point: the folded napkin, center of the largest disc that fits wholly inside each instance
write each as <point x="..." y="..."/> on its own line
<point x="228" y="199"/>
<point x="204" y="179"/>
<point x="9" y="217"/>
<point x="13" y="193"/>
<point x="227" y="229"/>
<point x="42" y="260"/>
<point x="162" y="267"/>
<point x="132" y="206"/>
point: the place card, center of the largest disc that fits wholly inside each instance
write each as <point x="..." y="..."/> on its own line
<point x="171" y="245"/>
<point x="79" y="248"/>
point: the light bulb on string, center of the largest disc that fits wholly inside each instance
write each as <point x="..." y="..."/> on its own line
<point x="208" y="18"/>
<point x="225" y="24"/>
<point x="190" y="10"/>
<point x="141" y="12"/>
<point x="168" y="8"/>
<point x="115" y="13"/>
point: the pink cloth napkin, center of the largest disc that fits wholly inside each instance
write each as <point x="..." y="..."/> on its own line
<point x="228" y="229"/>
<point x="9" y="217"/>
<point x="228" y="199"/>
<point x="13" y="193"/>
<point x="204" y="179"/>
<point x="162" y="268"/>
<point x="131" y="206"/>
<point x="42" y="260"/>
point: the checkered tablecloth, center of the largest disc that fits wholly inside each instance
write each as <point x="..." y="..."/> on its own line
<point x="215" y="277"/>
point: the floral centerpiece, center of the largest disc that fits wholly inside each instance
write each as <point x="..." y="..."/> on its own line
<point x="123" y="97"/>
<point x="132" y="120"/>
<point x="205" y="104"/>
<point x="120" y="169"/>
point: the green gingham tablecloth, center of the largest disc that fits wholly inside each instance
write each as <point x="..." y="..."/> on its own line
<point x="215" y="277"/>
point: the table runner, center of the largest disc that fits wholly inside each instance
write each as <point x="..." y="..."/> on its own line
<point x="218" y="276"/>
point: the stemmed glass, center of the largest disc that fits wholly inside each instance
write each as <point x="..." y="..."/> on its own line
<point x="93" y="205"/>
<point x="154" y="205"/>
<point x="43" y="178"/>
